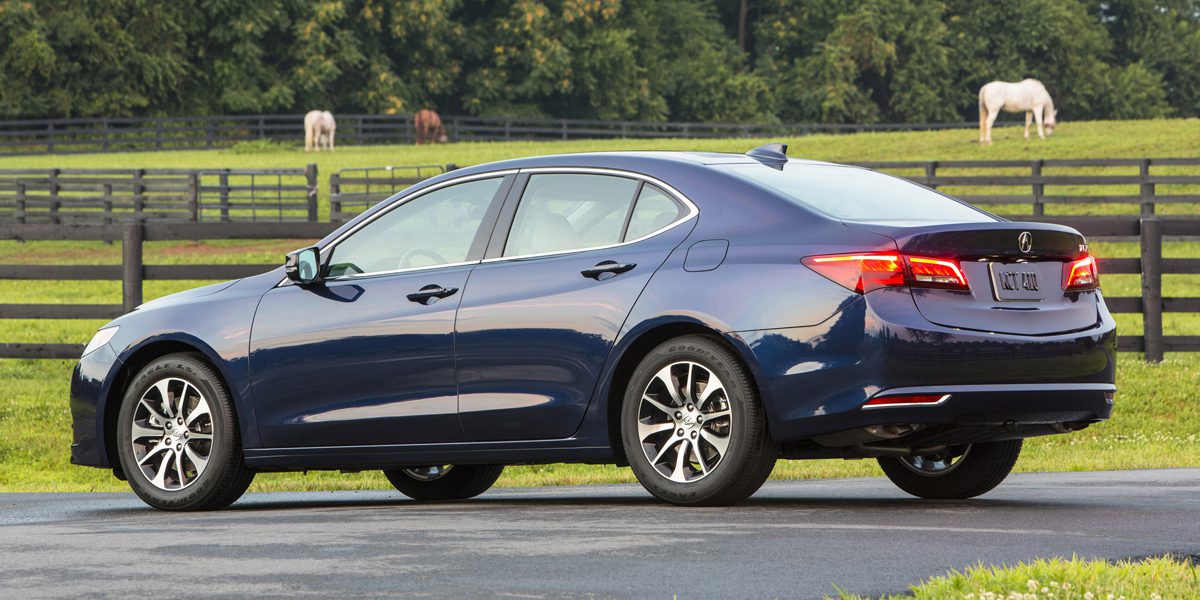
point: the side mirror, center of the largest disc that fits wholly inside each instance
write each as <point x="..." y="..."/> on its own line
<point x="304" y="265"/>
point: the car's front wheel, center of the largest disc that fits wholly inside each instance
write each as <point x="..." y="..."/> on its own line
<point x="954" y="473"/>
<point x="178" y="439"/>
<point x="693" y="429"/>
<point x="444" y="482"/>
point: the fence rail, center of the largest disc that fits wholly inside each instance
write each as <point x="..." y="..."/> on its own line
<point x="84" y="135"/>
<point x="132" y="272"/>
<point x="1145" y="182"/>
<point x="105" y="196"/>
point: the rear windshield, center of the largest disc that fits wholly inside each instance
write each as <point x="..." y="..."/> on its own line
<point x="858" y="194"/>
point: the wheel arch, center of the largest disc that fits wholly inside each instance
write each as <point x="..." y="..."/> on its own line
<point x="134" y="360"/>
<point x="637" y="345"/>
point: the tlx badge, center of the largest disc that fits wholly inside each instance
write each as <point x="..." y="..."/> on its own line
<point x="1025" y="242"/>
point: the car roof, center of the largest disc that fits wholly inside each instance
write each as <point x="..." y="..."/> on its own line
<point x="637" y="161"/>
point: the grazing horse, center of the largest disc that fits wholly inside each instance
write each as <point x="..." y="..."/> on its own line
<point x="319" y="126"/>
<point x="1028" y="96"/>
<point x="429" y="127"/>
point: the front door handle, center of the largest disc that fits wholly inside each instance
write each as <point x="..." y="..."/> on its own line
<point x="431" y="293"/>
<point x="607" y="269"/>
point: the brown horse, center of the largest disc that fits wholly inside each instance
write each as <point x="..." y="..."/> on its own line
<point x="429" y="127"/>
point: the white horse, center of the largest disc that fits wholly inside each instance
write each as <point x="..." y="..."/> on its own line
<point x="319" y="126"/>
<point x="1028" y="96"/>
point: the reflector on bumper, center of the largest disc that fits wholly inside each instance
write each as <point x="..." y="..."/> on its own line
<point x="906" y="400"/>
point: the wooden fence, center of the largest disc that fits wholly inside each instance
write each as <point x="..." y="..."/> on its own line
<point x="42" y="136"/>
<point x="1145" y="182"/>
<point x="106" y="196"/>
<point x="352" y="191"/>
<point x="133" y="272"/>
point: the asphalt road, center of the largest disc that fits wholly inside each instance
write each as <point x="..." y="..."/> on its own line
<point x="791" y="540"/>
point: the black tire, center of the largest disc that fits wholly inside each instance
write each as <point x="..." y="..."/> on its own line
<point x="750" y="453"/>
<point x="981" y="468"/>
<point x="458" y="482"/>
<point x="225" y="477"/>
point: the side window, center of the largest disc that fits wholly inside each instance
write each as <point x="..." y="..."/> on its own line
<point x="434" y="229"/>
<point x="560" y="212"/>
<point x="654" y="210"/>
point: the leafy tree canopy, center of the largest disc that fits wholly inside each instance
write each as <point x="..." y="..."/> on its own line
<point x="681" y="60"/>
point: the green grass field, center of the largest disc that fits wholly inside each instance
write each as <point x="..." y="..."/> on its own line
<point x="1075" y="579"/>
<point x="1156" y="423"/>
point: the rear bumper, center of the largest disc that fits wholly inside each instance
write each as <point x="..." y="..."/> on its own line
<point x="990" y="412"/>
<point x="815" y="380"/>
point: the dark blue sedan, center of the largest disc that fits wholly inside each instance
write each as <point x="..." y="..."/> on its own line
<point x="694" y="316"/>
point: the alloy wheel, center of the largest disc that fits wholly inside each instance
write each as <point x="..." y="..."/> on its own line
<point x="172" y="434"/>
<point x="430" y="473"/>
<point x="684" y="421"/>
<point x="934" y="465"/>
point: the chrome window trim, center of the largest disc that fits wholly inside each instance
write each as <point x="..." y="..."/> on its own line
<point x="691" y="207"/>
<point x="693" y="211"/>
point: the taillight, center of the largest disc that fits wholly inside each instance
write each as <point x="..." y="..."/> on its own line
<point x="1080" y="275"/>
<point x="871" y="271"/>
<point x="936" y="272"/>
<point x="859" y="272"/>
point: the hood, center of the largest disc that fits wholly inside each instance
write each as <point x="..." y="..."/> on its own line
<point x="187" y="294"/>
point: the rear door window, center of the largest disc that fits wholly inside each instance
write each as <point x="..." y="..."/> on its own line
<point x="655" y="209"/>
<point x="560" y="212"/>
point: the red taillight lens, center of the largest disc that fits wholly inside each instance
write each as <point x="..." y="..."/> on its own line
<point x="936" y="272"/>
<point x="873" y="270"/>
<point x="1081" y="275"/>
<point x="859" y="272"/>
<point x="908" y="400"/>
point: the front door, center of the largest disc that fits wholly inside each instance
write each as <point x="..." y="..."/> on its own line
<point x="538" y="320"/>
<point x="367" y="356"/>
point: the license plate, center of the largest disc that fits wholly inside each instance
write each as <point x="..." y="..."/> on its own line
<point x="1019" y="282"/>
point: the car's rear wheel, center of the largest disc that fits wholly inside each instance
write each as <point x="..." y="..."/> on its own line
<point x="178" y="439"/>
<point x="955" y="473"/>
<point x="444" y="482"/>
<point x="692" y="426"/>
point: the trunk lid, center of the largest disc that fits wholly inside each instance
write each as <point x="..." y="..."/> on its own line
<point x="1014" y="271"/>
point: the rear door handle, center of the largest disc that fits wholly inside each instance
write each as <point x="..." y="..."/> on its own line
<point x="431" y="293"/>
<point x="607" y="269"/>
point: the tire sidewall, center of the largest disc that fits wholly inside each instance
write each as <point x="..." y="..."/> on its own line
<point x="741" y="399"/>
<point x="226" y="446"/>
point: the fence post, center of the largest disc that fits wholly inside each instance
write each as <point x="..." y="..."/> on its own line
<point x="564" y="129"/>
<point x="335" y="196"/>
<point x="1147" y="191"/>
<point x="21" y="202"/>
<point x="52" y="178"/>
<point x="106" y="189"/>
<point x="158" y="140"/>
<point x="131" y="265"/>
<point x="310" y="176"/>
<point x="106" y="128"/>
<point x="139" y="195"/>
<point x="208" y="131"/>
<point x="223" y="181"/>
<point x="359" y="133"/>
<point x="931" y="173"/>
<point x="50" y="137"/>
<point x="1039" y="189"/>
<point x="194" y="195"/>
<point x="1152" y="303"/>
<point x="507" y="129"/>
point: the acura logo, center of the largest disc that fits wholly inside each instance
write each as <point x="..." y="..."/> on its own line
<point x="1025" y="242"/>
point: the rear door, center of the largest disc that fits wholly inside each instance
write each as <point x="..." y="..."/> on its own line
<point x="571" y="255"/>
